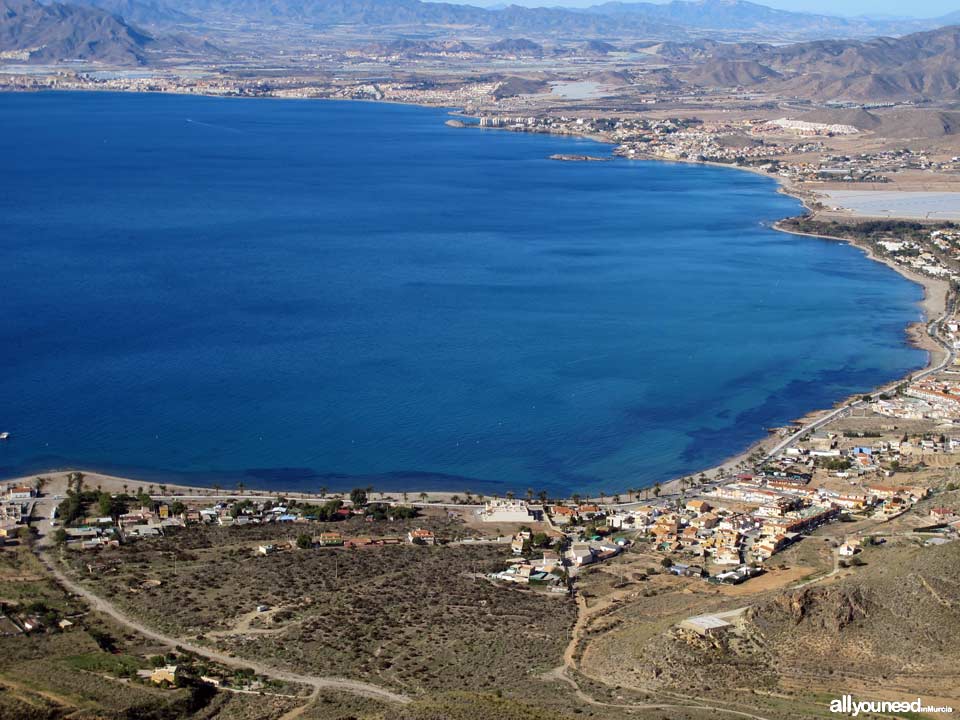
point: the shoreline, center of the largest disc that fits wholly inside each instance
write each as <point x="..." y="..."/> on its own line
<point x="933" y="306"/>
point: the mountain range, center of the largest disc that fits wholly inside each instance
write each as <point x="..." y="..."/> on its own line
<point x="143" y="12"/>
<point x="741" y="16"/>
<point x="924" y="65"/>
<point x="678" y="19"/>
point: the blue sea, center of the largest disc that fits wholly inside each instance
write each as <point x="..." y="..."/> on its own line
<point x="304" y="294"/>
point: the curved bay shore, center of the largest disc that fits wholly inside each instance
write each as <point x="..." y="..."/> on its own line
<point x="934" y="304"/>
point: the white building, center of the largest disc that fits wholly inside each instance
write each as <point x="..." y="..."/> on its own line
<point x="498" y="510"/>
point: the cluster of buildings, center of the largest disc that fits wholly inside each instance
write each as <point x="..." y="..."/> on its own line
<point x="456" y="94"/>
<point x="20" y="621"/>
<point x="803" y="128"/>
<point x="937" y="259"/>
<point x="531" y="566"/>
<point x="95" y="532"/>
<point x="14" y="510"/>
<point x="700" y="145"/>
<point x="745" y="143"/>
<point x="98" y="532"/>
<point x="582" y="542"/>
<point x="747" y="521"/>
<point x="417" y="92"/>
<point x="138" y="81"/>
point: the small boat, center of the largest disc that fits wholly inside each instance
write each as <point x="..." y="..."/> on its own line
<point x="4" y="436"/>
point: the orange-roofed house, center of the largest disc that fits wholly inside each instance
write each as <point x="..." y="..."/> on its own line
<point x="421" y="536"/>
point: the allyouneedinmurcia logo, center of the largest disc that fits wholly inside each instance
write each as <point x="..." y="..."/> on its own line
<point x="848" y="706"/>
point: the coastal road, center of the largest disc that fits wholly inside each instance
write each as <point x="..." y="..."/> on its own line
<point x="949" y="356"/>
<point x="318" y="683"/>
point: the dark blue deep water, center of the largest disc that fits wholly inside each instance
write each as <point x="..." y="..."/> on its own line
<point x="295" y="293"/>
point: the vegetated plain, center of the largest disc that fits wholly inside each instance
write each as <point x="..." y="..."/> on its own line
<point x="411" y="618"/>
<point x="88" y="668"/>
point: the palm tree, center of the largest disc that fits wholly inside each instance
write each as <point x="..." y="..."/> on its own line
<point x="510" y="495"/>
<point x="576" y="498"/>
<point x="125" y="488"/>
<point x="150" y="489"/>
<point x="543" y="497"/>
<point x="163" y="489"/>
<point x="657" y="489"/>
<point x="216" y="489"/>
<point x="323" y="491"/>
<point x="616" y="499"/>
<point x="480" y="497"/>
<point x="468" y="495"/>
<point x="423" y="497"/>
<point x="76" y="479"/>
<point x="529" y="494"/>
<point x="404" y="497"/>
<point x="241" y="486"/>
<point x="603" y="496"/>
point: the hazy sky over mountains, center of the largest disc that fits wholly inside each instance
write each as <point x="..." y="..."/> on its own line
<point x="917" y="8"/>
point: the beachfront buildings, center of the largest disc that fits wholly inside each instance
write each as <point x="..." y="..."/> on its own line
<point x="506" y="511"/>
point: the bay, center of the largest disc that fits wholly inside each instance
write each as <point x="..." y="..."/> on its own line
<point x="299" y="294"/>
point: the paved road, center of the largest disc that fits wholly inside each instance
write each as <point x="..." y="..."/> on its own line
<point x="948" y="359"/>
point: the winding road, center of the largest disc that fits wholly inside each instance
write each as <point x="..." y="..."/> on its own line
<point x="318" y="683"/>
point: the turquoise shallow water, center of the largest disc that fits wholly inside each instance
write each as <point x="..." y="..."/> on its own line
<point x="301" y="294"/>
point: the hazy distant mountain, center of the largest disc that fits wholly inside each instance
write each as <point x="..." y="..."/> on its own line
<point x="748" y="17"/>
<point x="921" y="65"/>
<point x="423" y="47"/>
<point x="516" y="46"/>
<point x="142" y="12"/>
<point x="405" y="13"/>
<point x="708" y="13"/>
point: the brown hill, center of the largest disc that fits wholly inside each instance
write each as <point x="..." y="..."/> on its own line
<point x="48" y="33"/>
<point x="895" y="622"/>
<point x="731" y="73"/>
<point x="611" y="78"/>
<point x="921" y="65"/>
<point x="919" y="123"/>
<point x="56" y="31"/>
<point x="513" y="85"/>
<point x="858" y="117"/>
